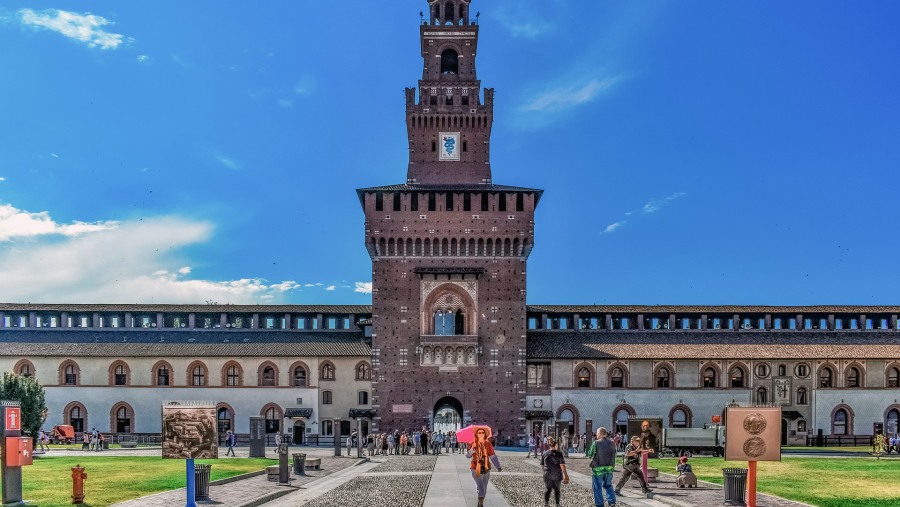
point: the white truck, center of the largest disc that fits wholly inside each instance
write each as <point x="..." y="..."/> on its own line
<point x="690" y="441"/>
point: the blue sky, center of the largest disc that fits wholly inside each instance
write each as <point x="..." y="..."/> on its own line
<point x="699" y="152"/>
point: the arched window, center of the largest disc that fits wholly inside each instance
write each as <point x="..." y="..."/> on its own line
<point x="737" y="376"/>
<point x="762" y="395"/>
<point x="853" y="377"/>
<point x="568" y="417"/>
<point x="892" y="421"/>
<point x="120" y="375"/>
<point x="162" y="376"/>
<point x="782" y="370"/>
<point x="617" y="377"/>
<point x="122" y="418"/>
<point x="802" y="396"/>
<point x="449" y="12"/>
<point x="197" y="373"/>
<point x="826" y="377"/>
<point x="893" y="377"/>
<point x="268" y="376"/>
<point x="232" y="375"/>
<point x="839" y="422"/>
<point x="709" y="377"/>
<point x="76" y="416"/>
<point x="273" y="419"/>
<point x="299" y="376"/>
<point x="449" y="62"/>
<point x="584" y="377"/>
<point x="328" y="371"/>
<point x="71" y="375"/>
<point x="224" y="420"/>
<point x="801" y="426"/>
<point x="679" y="419"/>
<point x="363" y="372"/>
<point x="802" y="370"/>
<point x="24" y="368"/>
<point x="663" y="378"/>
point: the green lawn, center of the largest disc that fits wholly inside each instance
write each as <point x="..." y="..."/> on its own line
<point x="112" y="479"/>
<point x="824" y="482"/>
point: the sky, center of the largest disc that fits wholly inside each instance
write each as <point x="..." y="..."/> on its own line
<point x="691" y="153"/>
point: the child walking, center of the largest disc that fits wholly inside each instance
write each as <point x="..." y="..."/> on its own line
<point x="554" y="464"/>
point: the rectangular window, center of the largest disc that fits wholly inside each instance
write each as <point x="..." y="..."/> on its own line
<point x="379" y="202"/>
<point x="363" y="398"/>
<point x="520" y="202"/>
<point x="465" y="100"/>
<point x="414" y="202"/>
<point x="467" y="202"/>
<point x="449" y="204"/>
<point x="327" y="428"/>
<point x="332" y="323"/>
<point x="485" y="202"/>
<point x="432" y="201"/>
<point x="326" y="398"/>
<point x="396" y="201"/>
<point x="538" y="375"/>
<point x="502" y="203"/>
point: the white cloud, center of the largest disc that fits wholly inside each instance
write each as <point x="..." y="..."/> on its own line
<point x="227" y="161"/>
<point x="567" y="97"/>
<point x="83" y="27"/>
<point x="612" y="227"/>
<point x="143" y="59"/>
<point x="330" y="288"/>
<point x="363" y="287"/>
<point x="16" y="223"/>
<point x="130" y="262"/>
<point x="652" y="206"/>
<point x="2" y="178"/>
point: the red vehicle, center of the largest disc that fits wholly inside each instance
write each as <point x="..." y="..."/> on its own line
<point x="62" y="434"/>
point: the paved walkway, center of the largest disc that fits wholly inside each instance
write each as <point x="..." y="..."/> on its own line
<point x="442" y="483"/>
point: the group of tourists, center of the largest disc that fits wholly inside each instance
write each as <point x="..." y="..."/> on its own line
<point x="92" y="441"/>
<point x="403" y="443"/>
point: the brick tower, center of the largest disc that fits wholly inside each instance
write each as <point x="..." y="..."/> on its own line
<point x="449" y="250"/>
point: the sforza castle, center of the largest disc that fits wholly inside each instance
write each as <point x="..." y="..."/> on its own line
<point x="449" y="338"/>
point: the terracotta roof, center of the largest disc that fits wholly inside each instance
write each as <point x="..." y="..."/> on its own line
<point x="137" y="308"/>
<point x="151" y="343"/>
<point x="711" y="309"/>
<point x="713" y="345"/>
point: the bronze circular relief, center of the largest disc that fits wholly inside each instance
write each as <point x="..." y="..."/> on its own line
<point x="755" y="423"/>
<point x="754" y="447"/>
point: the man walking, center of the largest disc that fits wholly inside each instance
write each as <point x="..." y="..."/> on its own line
<point x="603" y="463"/>
<point x="631" y="465"/>
<point x="230" y="439"/>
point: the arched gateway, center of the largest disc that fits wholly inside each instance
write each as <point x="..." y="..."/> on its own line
<point x="447" y="415"/>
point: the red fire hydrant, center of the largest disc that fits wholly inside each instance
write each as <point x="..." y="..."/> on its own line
<point x="78" y="477"/>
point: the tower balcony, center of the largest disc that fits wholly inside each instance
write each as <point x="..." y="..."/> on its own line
<point x="453" y="339"/>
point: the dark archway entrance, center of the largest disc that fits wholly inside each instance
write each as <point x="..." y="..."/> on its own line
<point x="447" y="415"/>
<point x="784" y="431"/>
<point x="299" y="432"/>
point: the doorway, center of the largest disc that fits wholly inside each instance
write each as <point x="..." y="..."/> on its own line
<point x="447" y="415"/>
<point x="299" y="432"/>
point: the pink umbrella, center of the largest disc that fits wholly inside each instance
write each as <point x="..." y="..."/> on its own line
<point x="467" y="434"/>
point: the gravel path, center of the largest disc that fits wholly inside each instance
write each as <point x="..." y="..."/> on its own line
<point x="528" y="491"/>
<point x="394" y="491"/>
<point x="397" y="464"/>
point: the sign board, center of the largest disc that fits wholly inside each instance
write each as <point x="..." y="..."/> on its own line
<point x="13" y="418"/>
<point x="650" y="431"/>
<point x="753" y="434"/>
<point x="189" y="431"/>
<point x="18" y="451"/>
<point x="402" y="409"/>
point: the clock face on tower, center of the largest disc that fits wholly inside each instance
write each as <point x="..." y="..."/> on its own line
<point x="448" y="143"/>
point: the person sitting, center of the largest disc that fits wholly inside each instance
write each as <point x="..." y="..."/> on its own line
<point x="686" y="475"/>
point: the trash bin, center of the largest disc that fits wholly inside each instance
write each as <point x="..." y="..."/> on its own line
<point x="735" y="485"/>
<point x="106" y="445"/>
<point x="201" y="481"/>
<point x="299" y="463"/>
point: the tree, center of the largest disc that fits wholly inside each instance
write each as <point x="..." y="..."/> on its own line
<point x="30" y="394"/>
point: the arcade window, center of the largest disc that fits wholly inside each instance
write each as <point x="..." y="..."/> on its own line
<point x="893" y="377"/>
<point x="826" y="378"/>
<point x="299" y="376"/>
<point x="853" y="377"/>
<point x="268" y="376"/>
<point x="663" y="378"/>
<point x="584" y="378"/>
<point x="709" y="377"/>
<point x="737" y="377"/>
<point x="121" y="375"/>
<point x="617" y="378"/>
<point x="162" y="376"/>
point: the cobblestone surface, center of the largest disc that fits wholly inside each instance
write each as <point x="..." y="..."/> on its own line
<point x="528" y="491"/>
<point x="394" y="464"/>
<point x="520" y="465"/>
<point x="395" y="491"/>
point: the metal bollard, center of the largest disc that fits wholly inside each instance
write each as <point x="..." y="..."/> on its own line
<point x="78" y="477"/>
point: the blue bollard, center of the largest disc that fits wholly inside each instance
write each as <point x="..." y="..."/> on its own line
<point x="191" y="485"/>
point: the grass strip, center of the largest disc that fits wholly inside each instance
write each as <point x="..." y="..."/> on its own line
<point x="111" y="479"/>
